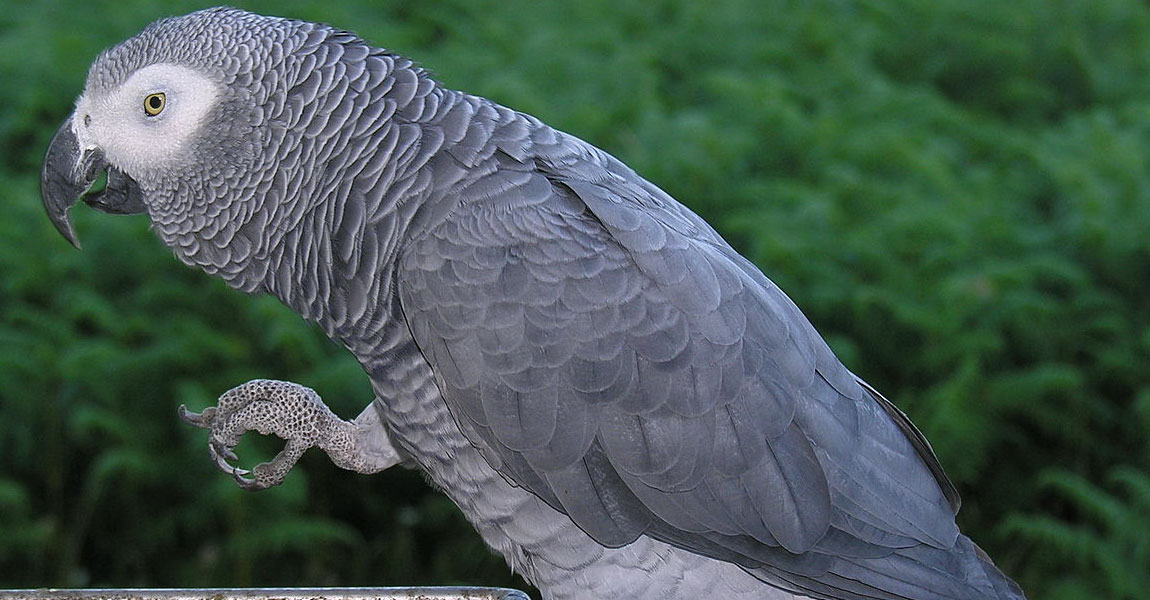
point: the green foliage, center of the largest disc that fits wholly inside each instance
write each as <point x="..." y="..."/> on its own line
<point x="1104" y="534"/>
<point x="957" y="193"/>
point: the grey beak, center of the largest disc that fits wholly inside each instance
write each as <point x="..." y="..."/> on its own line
<point x="60" y="182"/>
<point x="68" y="174"/>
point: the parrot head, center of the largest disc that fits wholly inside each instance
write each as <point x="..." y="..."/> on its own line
<point x="172" y="120"/>
<point x="132" y="133"/>
<point x="230" y="131"/>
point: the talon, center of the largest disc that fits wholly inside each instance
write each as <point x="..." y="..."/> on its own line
<point x="287" y="410"/>
<point x="222" y="463"/>
<point x="243" y="482"/>
<point x="247" y="483"/>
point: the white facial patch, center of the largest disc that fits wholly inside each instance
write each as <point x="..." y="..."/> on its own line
<point x="134" y="141"/>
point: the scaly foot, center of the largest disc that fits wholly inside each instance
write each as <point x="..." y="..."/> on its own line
<point x="297" y="415"/>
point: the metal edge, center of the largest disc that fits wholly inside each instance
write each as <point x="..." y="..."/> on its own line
<point x="327" y="593"/>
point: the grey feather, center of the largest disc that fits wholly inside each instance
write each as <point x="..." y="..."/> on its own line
<point x="612" y="395"/>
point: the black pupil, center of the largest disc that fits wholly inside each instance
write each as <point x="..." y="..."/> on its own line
<point x="154" y="102"/>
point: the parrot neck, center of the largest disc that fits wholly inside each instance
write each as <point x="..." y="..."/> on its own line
<point x="335" y="259"/>
<point x="321" y="227"/>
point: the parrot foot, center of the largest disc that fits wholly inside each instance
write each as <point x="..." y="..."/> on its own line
<point x="297" y="415"/>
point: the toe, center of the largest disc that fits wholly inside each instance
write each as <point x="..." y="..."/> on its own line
<point x="203" y="420"/>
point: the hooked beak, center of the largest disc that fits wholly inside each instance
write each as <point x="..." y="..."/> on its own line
<point x="68" y="175"/>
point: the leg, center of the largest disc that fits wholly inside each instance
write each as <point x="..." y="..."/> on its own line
<point x="298" y="415"/>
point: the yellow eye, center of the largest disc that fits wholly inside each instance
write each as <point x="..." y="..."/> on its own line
<point x="154" y="104"/>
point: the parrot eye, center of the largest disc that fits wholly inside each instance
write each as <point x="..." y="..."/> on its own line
<point x="154" y="104"/>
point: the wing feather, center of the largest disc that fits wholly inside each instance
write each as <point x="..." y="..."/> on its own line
<point x="608" y="351"/>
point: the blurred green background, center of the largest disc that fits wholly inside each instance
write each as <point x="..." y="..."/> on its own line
<point x="956" y="192"/>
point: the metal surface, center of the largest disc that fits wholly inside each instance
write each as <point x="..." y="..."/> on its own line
<point x="404" y="593"/>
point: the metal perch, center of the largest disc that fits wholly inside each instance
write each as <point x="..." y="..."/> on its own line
<point x="393" y="593"/>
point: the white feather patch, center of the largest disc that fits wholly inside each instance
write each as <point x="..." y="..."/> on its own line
<point x="133" y="141"/>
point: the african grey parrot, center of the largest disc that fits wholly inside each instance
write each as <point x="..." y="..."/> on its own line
<point x="620" y="404"/>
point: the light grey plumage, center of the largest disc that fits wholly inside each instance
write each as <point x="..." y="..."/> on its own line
<point x="621" y="404"/>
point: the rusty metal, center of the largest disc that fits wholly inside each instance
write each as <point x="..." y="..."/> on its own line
<point x="396" y="593"/>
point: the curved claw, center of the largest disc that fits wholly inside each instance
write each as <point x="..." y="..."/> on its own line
<point x="222" y="454"/>
<point x="225" y="451"/>
<point x="221" y="462"/>
<point x="248" y="483"/>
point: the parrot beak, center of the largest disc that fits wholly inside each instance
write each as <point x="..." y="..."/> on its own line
<point x="62" y="182"/>
<point x="68" y="175"/>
